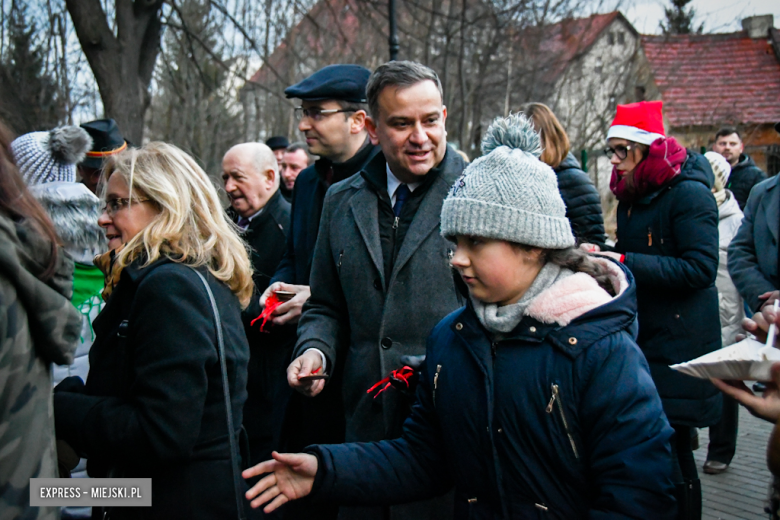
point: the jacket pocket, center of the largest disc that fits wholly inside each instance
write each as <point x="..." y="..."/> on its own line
<point x="555" y="406"/>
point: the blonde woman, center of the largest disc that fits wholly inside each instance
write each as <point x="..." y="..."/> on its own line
<point x="153" y="404"/>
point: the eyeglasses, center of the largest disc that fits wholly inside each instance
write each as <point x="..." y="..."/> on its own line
<point x="114" y="205"/>
<point x="318" y="114"/>
<point x="620" y="150"/>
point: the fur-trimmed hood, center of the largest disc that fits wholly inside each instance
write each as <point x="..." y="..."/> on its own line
<point x="575" y="295"/>
<point x="74" y="210"/>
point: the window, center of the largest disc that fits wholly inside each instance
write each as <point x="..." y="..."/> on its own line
<point x="611" y="38"/>
<point x="621" y="37"/>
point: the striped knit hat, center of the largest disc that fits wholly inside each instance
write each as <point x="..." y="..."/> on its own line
<point x="51" y="156"/>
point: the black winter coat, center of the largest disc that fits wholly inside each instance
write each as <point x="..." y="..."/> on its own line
<point x="743" y="177"/>
<point x="553" y="422"/>
<point x="153" y="405"/>
<point x="583" y="203"/>
<point x="267" y="236"/>
<point x="670" y="239"/>
<point x="267" y="389"/>
<point x="308" y="194"/>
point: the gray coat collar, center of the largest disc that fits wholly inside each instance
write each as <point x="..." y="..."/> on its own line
<point x="364" y="206"/>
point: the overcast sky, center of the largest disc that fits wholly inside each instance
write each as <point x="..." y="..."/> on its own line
<point x="717" y="15"/>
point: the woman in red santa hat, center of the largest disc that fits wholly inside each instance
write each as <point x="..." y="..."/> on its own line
<point x="667" y="235"/>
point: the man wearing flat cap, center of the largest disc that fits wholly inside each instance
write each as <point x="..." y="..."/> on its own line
<point x="278" y="144"/>
<point x="107" y="140"/>
<point x="332" y="117"/>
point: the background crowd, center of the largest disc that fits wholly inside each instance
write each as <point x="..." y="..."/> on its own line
<point x="389" y="331"/>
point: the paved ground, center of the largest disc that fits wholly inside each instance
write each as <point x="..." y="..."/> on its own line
<point x="740" y="492"/>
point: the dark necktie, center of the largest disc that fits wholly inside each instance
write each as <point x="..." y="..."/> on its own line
<point x="400" y="197"/>
<point x="243" y="223"/>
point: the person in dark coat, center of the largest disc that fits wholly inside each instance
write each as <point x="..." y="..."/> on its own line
<point x="753" y="252"/>
<point x="744" y="172"/>
<point x="667" y="235"/>
<point x="253" y="184"/>
<point x="332" y="118"/>
<point x="380" y="279"/>
<point x="153" y="405"/>
<point x="583" y="203"/>
<point x="534" y="400"/>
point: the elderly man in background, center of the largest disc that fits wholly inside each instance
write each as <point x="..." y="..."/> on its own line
<point x="251" y="177"/>
<point x="295" y="159"/>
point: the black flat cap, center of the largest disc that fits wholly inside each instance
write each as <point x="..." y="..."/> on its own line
<point x="277" y="142"/>
<point x="106" y="140"/>
<point x="340" y="82"/>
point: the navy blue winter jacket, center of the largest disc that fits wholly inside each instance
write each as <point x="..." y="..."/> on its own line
<point x="551" y="421"/>
<point x="670" y="240"/>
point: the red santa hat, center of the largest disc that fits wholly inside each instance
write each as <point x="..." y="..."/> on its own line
<point x="640" y="122"/>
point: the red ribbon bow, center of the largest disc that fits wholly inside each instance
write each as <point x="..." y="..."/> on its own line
<point x="402" y="375"/>
<point x="270" y="306"/>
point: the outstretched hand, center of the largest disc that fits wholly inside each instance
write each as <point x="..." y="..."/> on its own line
<point x="290" y="476"/>
<point x="765" y="407"/>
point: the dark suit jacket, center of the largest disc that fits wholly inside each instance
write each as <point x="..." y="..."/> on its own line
<point x="269" y="352"/>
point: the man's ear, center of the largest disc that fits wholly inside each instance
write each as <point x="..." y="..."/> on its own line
<point x="371" y="129"/>
<point x="357" y="122"/>
<point x="271" y="176"/>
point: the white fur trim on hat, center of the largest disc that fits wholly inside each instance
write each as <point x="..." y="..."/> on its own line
<point x="632" y="133"/>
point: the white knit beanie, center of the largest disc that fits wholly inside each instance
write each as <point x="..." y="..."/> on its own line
<point x="508" y="193"/>
<point x="720" y="167"/>
<point x="51" y="156"/>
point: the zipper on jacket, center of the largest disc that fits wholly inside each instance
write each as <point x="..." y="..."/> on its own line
<point x="436" y="382"/>
<point x="341" y="255"/>
<point x="395" y="222"/>
<point x="649" y="236"/>
<point x="494" y="348"/>
<point x="556" y="398"/>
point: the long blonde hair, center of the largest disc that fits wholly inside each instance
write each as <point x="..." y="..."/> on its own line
<point x="191" y="227"/>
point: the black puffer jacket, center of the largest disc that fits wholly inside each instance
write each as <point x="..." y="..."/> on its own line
<point x="670" y="239"/>
<point x="583" y="204"/>
<point x="743" y="177"/>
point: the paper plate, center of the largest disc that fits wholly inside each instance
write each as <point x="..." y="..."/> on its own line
<point x="747" y="360"/>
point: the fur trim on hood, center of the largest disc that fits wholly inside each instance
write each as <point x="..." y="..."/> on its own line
<point x="74" y="210"/>
<point x="575" y="295"/>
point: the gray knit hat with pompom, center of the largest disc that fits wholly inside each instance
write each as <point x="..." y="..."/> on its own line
<point x="508" y="193"/>
<point x="51" y="156"/>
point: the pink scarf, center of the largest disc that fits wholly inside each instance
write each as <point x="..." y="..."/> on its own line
<point x="663" y="163"/>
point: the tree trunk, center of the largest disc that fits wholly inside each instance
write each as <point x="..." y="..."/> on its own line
<point x="122" y="64"/>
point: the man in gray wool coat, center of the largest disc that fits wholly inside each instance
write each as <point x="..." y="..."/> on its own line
<point x="380" y="278"/>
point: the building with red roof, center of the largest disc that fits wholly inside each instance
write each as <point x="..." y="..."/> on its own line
<point x="708" y="81"/>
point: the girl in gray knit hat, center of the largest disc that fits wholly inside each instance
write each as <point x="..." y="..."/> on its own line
<point x="534" y="400"/>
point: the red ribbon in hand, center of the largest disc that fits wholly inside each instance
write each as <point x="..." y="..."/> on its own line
<point x="402" y="375"/>
<point x="270" y="306"/>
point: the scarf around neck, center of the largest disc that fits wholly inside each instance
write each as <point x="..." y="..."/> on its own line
<point x="663" y="163"/>
<point x="503" y="319"/>
<point x="111" y="270"/>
